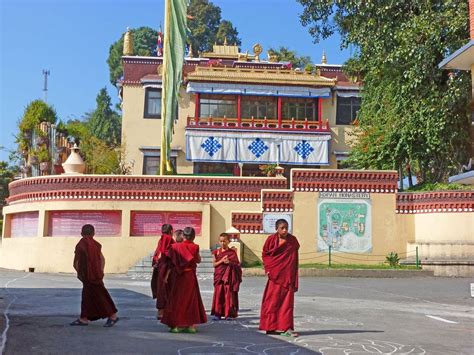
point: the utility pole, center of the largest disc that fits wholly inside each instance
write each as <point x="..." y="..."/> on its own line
<point x="45" y="88"/>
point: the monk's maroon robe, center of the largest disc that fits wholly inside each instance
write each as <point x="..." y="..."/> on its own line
<point x="184" y="306"/>
<point x="281" y="266"/>
<point x="160" y="289"/>
<point x="96" y="301"/>
<point x="227" y="279"/>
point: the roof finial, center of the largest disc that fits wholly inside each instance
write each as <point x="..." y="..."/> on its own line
<point x="225" y="41"/>
<point x="323" y="58"/>
<point x="128" y="43"/>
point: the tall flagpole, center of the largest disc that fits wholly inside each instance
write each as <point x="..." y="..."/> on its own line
<point x="173" y="59"/>
<point x="164" y="81"/>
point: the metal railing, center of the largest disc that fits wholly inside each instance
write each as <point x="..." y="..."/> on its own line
<point x="258" y="124"/>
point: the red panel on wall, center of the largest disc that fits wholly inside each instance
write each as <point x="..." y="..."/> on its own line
<point x="147" y="223"/>
<point x="24" y="224"/>
<point x="69" y="223"/>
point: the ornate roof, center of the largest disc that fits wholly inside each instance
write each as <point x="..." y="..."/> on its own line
<point x="259" y="76"/>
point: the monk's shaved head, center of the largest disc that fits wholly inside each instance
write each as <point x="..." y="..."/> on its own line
<point x="88" y="230"/>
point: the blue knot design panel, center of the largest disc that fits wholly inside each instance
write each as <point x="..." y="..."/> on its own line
<point x="211" y="146"/>
<point x="258" y="147"/>
<point x="304" y="149"/>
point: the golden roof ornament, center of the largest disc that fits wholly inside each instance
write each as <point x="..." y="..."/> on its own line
<point x="324" y="59"/>
<point x="272" y="57"/>
<point x="128" y="43"/>
<point x="257" y="50"/>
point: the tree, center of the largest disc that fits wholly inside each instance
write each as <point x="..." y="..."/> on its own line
<point x="413" y="114"/>
<point x="227" y="32"/>
<point x="206" y="28"/>
<point x="98" y="155"/>
<point x="284" y="54"/>
<point x="7" y="174"/>
<point x="35" y="112"/>
<point x="144" y="44"/>
<point x="104" y="122"/>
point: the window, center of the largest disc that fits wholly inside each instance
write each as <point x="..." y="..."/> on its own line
<point x="218" y="106"/>
<point x="299" y="109"/>
<point x="152" y="103"/>
<point x="347" y="108"/>
<point x="226" y="169"/>
<point x="259" y="107"/>
<point x="151" y="165"/>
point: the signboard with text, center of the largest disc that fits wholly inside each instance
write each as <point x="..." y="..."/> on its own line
<point x="269" y="220"/>
<point x="24" y="224"/>
<point x="148" y="223"/>
<point x="69" y="223"/>
<point x="344" y="222"/>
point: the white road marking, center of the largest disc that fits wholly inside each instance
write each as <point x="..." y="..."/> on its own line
<point x="441" y="319"/>
<point x="5" y="314"/>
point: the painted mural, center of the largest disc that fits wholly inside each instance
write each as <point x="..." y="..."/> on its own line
<point x="344" y="224"/>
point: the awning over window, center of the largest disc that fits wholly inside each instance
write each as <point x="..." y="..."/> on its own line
<point x="257" y="148"/>
<point x="258" y="90"/>
<point x="348" y="94"/>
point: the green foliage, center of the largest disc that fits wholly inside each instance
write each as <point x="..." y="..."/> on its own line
<point x="284" y="54"/>
<point x="7" y="174"/>
<point x="356" y="266"/>
<point x="99" y="157"/>
<point x="268" y="169"/>
<point x="42" y="154"/>
<point x="392" y="259"/>
<point x="413" y="113"/>
<point x="36" y="112"/>
<point x="207" y="27"/>
<point x="440" y="187"/>
<point x="144" y="44"/>
<point x="104" y="122"/>
<point x="256" y="263"/>
<point x="98" y="136"/>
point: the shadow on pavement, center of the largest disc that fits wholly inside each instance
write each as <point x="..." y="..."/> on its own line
<point x="39" y="323"/>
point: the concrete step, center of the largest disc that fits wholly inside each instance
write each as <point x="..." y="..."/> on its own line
<point x="143" y="266"/>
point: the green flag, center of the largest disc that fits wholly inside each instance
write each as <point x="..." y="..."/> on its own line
<point x="173" y="58"/>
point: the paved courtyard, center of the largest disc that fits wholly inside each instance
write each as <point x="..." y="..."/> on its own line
<point x="333" y="315"/>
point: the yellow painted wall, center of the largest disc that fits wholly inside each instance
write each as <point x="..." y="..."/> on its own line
<point x="386" y="236"/>
<point x="438" y="235"/>
<point x="54" y="254"/>
<point x="138" y="131"/>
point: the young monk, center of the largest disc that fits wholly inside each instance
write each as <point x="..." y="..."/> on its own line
<point x="161" y="267"/>
<point x="178" y="235"/>
<point x="89" y="263"/>
<point x="184" y="309"/>
<point x="280" y="260"/>
<point x="227" y="279"/>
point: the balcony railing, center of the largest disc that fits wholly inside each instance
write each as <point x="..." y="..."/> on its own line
<point x="263" y="124"/>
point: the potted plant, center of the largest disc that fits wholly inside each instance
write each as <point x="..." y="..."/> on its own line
<point x="268" y="169"/>
<point x="44" y="158"/>
<point x="42" y="138"/>
<point x="33" y="157"/>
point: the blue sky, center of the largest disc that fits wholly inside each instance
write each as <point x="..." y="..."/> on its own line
<point x="71" y="38"/>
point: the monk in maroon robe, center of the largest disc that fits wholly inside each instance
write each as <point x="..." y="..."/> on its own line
<point x="184" y="309"/>
<point x="280" y="260"/>
<point x="160" y="287"/>
<point x="227" y="279"/>
<point x="89" y="263"/>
